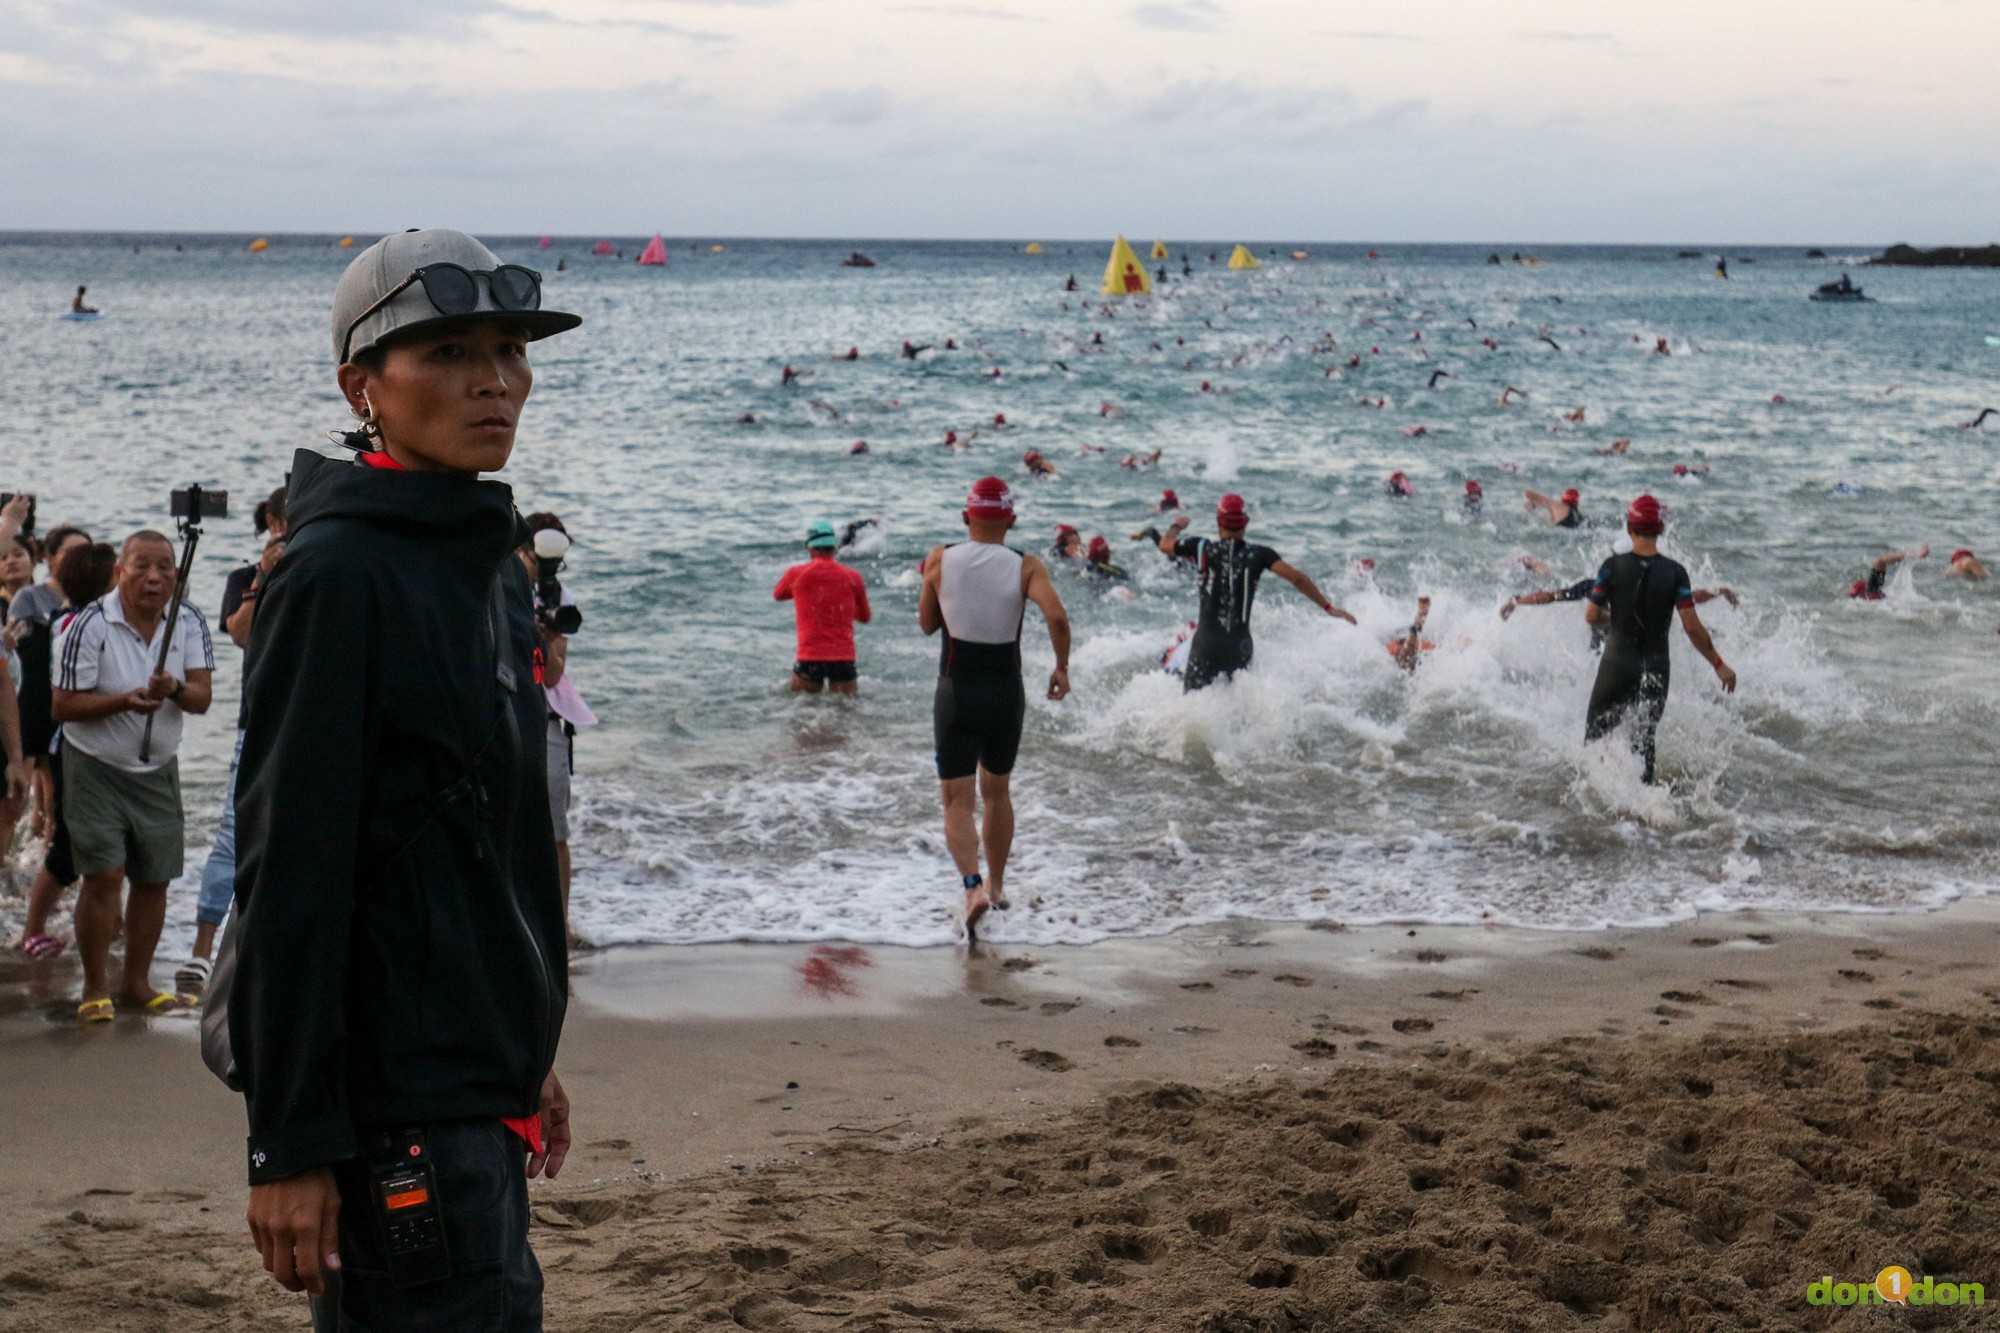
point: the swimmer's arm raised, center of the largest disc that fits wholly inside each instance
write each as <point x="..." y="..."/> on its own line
<point x="1173" y="535"/>
<point x="930" y="611"/>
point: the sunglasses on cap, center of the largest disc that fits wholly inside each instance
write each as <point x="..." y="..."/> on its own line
<point x="453" y="289"/>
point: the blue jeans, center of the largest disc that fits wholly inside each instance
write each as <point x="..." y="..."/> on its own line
<point x="218" y="876"/>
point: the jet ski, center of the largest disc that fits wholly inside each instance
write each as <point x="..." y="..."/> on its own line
<point x="857" y="260"/>
<point x="1844" y="290"/>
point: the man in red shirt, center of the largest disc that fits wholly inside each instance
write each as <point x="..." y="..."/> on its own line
<point x="828" y="598"/>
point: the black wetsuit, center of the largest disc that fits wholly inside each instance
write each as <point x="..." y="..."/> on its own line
<point x="1104" y="569"/>
<point x="1573" y="519"/>
<point x="1229" y="570"/>
<point x="1642" y="594"/>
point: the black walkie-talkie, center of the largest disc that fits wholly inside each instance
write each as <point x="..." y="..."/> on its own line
<point x="406" y="1202"/>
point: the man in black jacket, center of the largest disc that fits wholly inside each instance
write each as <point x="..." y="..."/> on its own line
<point x="401" y="968"/>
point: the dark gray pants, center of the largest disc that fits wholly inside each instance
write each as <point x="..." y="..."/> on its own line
<point x="495" y="1285"/>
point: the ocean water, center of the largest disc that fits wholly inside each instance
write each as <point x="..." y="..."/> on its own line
<point x="1851" y="770"/>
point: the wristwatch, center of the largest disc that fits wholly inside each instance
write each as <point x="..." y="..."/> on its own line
<point x="179" y="685"/>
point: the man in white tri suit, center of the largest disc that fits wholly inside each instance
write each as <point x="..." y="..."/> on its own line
<point x="977" y="592"/>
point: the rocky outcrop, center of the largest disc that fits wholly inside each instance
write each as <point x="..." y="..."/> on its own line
<point x="1945" y="256"/>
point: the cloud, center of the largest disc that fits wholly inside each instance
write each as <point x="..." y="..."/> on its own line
<point x="1582" y="38"/>
<point x="650" y="26"/>
<point x="850" y="107"/>
<point x="1378" y="36"/>
<point x="968" y="12"/>
<point x="1180" y="15"/>
<point x="353" y="19"/>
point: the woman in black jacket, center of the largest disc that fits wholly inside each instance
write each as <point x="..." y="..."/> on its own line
<point x="401" y="968"/>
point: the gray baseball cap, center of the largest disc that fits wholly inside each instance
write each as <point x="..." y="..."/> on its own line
<point x="390" y="262"/>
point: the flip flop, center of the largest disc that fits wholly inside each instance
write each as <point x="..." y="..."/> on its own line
<point x="42" y="947"/>
<point x="193" y="974"/>
<point x="95" y="1011"/>
<point x="166" y="1002"/>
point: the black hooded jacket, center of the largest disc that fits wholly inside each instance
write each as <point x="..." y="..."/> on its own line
<point x="402" y="955"/>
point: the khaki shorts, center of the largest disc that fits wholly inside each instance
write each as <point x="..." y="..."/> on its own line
<point x="119" y="819"/>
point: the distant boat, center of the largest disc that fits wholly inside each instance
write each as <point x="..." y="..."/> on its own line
<point x="857" y="260"/>
<point x="259" y="246"/>
<point x="602" y="248"/>
<point x="1844" y="291"/>
<point x="655" y="253"/>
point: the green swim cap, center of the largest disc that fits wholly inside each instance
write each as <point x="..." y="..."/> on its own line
<point x="820" y="536"/>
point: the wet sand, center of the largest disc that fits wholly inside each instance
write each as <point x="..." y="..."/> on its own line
<point x="1235" y="1129"/>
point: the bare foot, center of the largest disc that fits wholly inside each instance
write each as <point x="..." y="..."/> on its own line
<point x="998" y="897"/>
<point x="976" y="903"/>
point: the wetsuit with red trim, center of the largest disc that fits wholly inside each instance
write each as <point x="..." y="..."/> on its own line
<point x="1643" y="595"/>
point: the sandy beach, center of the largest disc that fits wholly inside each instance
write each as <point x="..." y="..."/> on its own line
<point x="1253" y="1128"/>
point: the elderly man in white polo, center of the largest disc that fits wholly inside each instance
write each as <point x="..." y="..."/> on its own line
<point x="122" y="789"/>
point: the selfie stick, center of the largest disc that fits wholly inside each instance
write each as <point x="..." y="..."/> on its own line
<point x="191" y="529"/>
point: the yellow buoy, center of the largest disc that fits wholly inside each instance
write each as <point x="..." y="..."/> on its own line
<point x="1034" y="247"/>
<point x="1159" y="249"/>
<point x="347" y="242"/>
<point x="259" y="245"/>
<point x="1241" y="257"/>
<point x="715" y="249"/>
<point x="1124" y="274"/>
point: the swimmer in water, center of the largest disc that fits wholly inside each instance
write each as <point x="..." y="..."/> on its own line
<point x="1976" y="423"/>
<point x="1070" y="286"/>
<point x="1437" y="375"/>
<point x="1110" y="410"/>
<point x="911" y="349"/>
<point x="1038" y="465"/>
<point x="1635" y="595"/>
<point x="850" y="531"/>
<point x="1140" y="462"/>
<point x="1870" y="588"/>
<point x="851" y="354"/>
<point x="789" y="377"/>
<point x="1068" y="544"/>
<point x="1400" y="487"/>
<point x="1168" y="503"/>
<point x="1474" y="503"/>
<point x="1690" y="471"/>
<point x="1563" y="513"/>
<point x="1409" y="646"/>
<point x="76" y="305"/>
<point x="952" y="442"/>
<point x="1616" y="449"/>
<point x="858" y="447"/>
<point x="1097" y="562"/>
<point x="747" y="419"/>
<point x="1000" y="421"/>
<point x="1660" y="347"/>
<point x="1510" y="393"/>
<point x="1965" y="565"/>
<point x="1230" y="569"/>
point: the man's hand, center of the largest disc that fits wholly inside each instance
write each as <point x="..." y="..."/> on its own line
<point x="17" y="510"/>
<point x="1059" y="683"/>
<point x="296" y="1224"/>
<point x="1727" y="675"/>
<point x="1729" y="595"/>
<point x="272" y="550"/>
<point x="1335" y="611"/>
<point x="162" y="685"/>
<point x="141" y="700"/>
<point x="555" y="1130"/>
<point x="19" y="779"/>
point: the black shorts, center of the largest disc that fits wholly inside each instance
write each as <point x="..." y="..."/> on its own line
<point x="826" y="673"/>
<point x="977" y="722"/>
<point x="1214" y="657"/>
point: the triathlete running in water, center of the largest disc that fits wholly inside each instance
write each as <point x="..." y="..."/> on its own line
<point x="1409" y="646"/>
<point x="1564" y="513"/>
<point x="1636" y="595"/>
<point x="1229" y="570"/>
<point x="977" y="592"/>
<point x="828" y="600"/>
<point x="1474" y="503"/>
<point x="1870" y="588"/>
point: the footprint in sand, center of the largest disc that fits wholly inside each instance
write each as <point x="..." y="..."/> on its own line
<point x="1407" y="1025"/>
<point x="1289" y="979"/>
<point x="1598" y="952"/>
<point x="1432" y="955"/>
<point x="1758" y="937"/>
<point x="1052" y="1061"/>
<point x="1883" y="1003"/>
<point x="1741" y="984"/>
<point x="1059" y="1006"/>
<point x="1856" y="974"/>
<point x="1017" y="965"/>
<point x="1685" y="997"/>
<point x="1870" y="954"/>
<point x="1450" y="994"/>
<point x="1000" y="1002"/>
<point x="1198" y="986"/>
<point x="1315" y="1046"/>
<point x="1122" y="1043"/>
<point x="1240" y="972"/>
<point x="1704" y="941"/>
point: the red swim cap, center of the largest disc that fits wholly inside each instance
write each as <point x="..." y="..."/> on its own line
<point x="1643" y="518"/>
<point x="1032" y="456"/>
<point x="1572" y="495"/>
<point x="1064" y="530"/>
<point x="1961" y="552"/>
<point x="1100" y="549"/>
<point x="999" y="418"/>
<point x="1680" y="469"/>
<point x="1167" y="497"/>
<point x="1231" y="512"/>
<point x="1472" y="488"/>
<point x="1395" y="476"/>
<point x="990" y="499"/>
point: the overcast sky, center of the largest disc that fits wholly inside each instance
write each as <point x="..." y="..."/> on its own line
<point x="1863" y="121"/>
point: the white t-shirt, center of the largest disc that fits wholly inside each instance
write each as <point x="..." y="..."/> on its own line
<point x="101" y="653"/>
